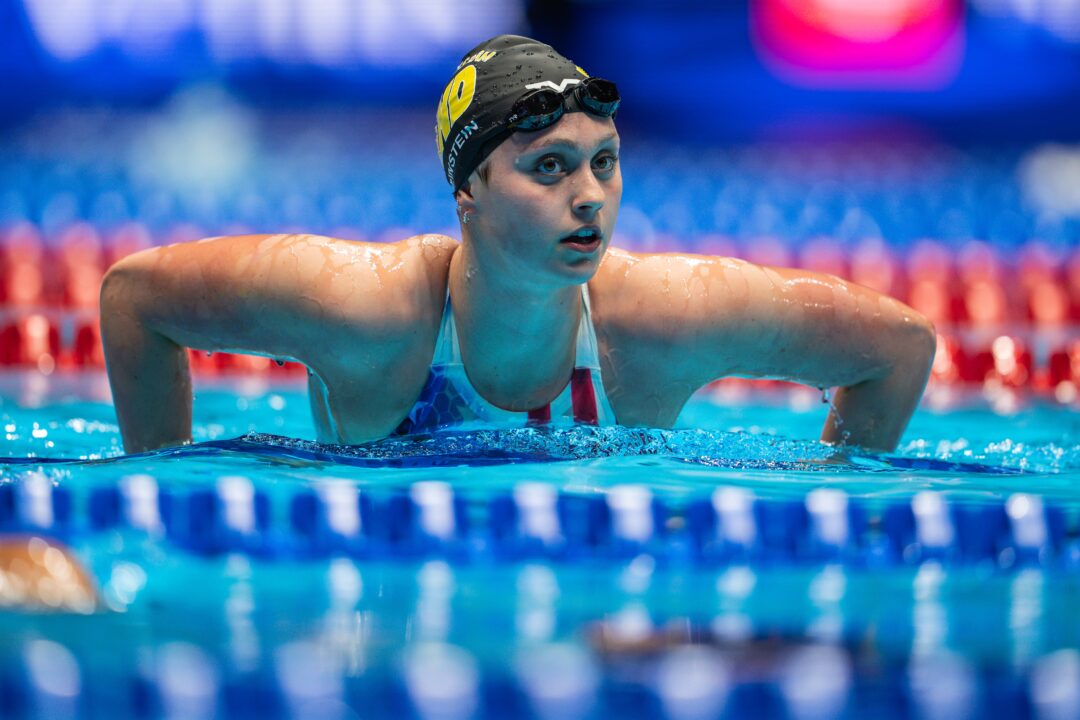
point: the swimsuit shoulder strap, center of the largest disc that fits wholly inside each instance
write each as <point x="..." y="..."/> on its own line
<point x="587" y="354"/>
<point x="447" y="349"/>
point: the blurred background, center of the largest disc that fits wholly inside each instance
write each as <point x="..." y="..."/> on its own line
<point x="927" y="148"/>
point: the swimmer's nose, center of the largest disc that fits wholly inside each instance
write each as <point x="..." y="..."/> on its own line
<point x="589" y="195"/>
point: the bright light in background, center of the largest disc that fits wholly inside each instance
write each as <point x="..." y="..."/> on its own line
<point x="1050" y="178"/>
<point x="325" y="35"/>
<point x="327" y="32"/>
<point x="860" y="20"/>
<point x="874" y="44"/>
<point x="65" y="27"/>
<point x="204" y="141"/>
<point x="1060" y="18"/>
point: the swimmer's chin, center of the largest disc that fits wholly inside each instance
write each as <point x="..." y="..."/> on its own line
<point x="579" y="272"/>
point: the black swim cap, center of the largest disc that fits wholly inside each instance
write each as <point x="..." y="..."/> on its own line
<point x="489" y="80"/>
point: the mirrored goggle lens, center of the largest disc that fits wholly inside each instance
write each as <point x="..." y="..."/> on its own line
<point x="600" y="96"/>
<point x="536" y="110"/>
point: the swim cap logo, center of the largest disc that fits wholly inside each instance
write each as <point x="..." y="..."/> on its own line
<point x="456" y="99"/>
<point x="482" y="56"/>
<point x="560" y="88"/>
<point x="468" y="121"/>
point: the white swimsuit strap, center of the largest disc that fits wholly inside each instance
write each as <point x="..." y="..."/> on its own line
<point x="447" y="349"/>
<point x="448" y="354"/>
<point x="587" y="354"/>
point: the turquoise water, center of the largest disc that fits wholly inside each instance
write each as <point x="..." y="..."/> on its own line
<point x="963" y="444"/>
<point x="366" y="627"/>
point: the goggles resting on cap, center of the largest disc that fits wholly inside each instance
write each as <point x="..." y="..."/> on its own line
<point x="541" y="108"/>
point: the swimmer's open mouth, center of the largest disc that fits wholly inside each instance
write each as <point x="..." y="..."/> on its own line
<point x="588" y="236"/>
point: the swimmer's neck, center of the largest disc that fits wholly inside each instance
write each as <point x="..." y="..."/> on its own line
<point x="518" y="340"/>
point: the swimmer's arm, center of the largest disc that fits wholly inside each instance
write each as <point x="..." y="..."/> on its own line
<point x="281" y="296"/>
<point x="752" y="321"/>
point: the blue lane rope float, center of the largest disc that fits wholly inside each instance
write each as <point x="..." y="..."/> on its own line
<point x="304" y="678"/>
<point x="537" y="521"/>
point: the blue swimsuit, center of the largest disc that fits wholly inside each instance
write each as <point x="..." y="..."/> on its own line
<point x="449" y="399"/>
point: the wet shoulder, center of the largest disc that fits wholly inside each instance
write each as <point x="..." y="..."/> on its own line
<point x="425" y="260"/>
<point x="647" y="294"/>
<point x="390" y="286"/>
<point x="626" y="292"/>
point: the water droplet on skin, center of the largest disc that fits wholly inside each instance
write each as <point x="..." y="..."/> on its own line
<point x="825" y="395"/>
<point x="209" y="354"/>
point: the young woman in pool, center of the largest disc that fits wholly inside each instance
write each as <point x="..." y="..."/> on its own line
<point x="547" y="322"/>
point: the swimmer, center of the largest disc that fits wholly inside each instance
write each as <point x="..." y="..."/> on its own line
<point x="41" y="575"/>
<point x="533" y="318"/>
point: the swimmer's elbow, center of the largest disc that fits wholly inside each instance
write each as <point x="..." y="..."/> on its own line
<point x="925" y="343"/>
<point x="916" y="344"/>
<point x="126" y="290"/>
<point x="115" y="289"/>
<point x="124" y="282"/>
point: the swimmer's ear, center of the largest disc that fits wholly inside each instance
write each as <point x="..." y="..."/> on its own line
<point x="480" y="176"/>
<point x="464" y="197"/>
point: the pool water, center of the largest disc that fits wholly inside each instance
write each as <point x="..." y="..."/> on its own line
<point x="280" y="620"/>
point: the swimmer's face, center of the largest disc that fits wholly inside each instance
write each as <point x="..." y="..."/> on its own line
<point x="543" y="187"/>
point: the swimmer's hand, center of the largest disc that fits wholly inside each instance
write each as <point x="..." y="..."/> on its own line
<point x="41" y="575"/>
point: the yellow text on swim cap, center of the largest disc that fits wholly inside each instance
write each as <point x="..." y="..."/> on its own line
<point x="482" y="56"/>
<point x="456" y="99"/>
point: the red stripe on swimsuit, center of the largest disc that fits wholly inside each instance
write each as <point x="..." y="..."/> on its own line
<point x="541" y="415"/>
<point x="583" y="396"/>
<point x="448" y="398"/>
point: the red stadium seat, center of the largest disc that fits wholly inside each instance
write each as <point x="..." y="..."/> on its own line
<point x="30" y="341"/>
<point x="1048" y="304"/>
<point x="22" y="284"/>
<point x="768" y="251"/>
<point x="127" y="239"/>
<point x="979" y="261"/>
<point x="202" y="363"/>
<point x="21" y="242"/>
<point x="244" y="364"/>
<point x="824" y="255"/>
<point x="1011" y="363"/>
<point x="931" y="260"/>
<point x="82" y="287"/>
<point x="88" y="352"/>
<point x="984" y="303"/>
<point x="948" y="360"/>
<point x="873" y="265"/>
<point x="1064" y="364"/>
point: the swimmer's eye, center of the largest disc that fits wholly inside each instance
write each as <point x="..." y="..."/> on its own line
<point x="550" y="165"/>
<point x="605" y="163"/>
